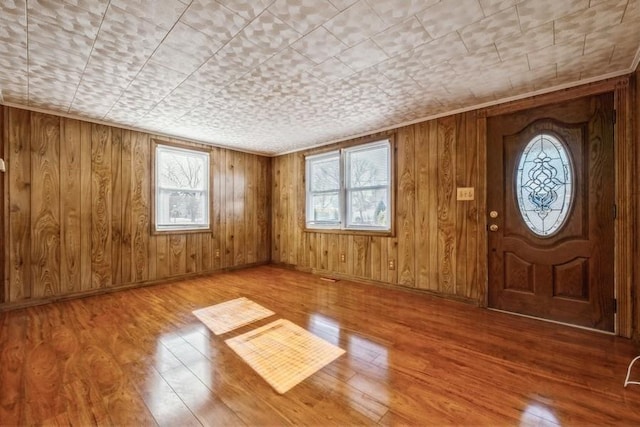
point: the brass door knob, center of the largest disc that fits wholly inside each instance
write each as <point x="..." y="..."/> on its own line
<point x="493" y="227"/>
<point x="493" y="214"/>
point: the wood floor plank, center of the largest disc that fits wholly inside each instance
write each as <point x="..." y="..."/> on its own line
<point x="140" y="357"/>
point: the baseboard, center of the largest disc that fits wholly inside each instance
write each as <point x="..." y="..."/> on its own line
<point x="347" y="277"/>
<point x="93" y="292"/>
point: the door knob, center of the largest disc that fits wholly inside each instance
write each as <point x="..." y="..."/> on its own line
<point x="493" y="227"/>
<point x="493" y="214"/>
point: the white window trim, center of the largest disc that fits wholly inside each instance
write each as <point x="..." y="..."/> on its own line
<point x="205" y="226"/>
<point x="343" y="191"/>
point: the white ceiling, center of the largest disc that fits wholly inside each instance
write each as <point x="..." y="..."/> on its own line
<point x="273" y="76"/>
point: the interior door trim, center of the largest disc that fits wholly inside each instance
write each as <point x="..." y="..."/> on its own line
<point x="624" y="155"/>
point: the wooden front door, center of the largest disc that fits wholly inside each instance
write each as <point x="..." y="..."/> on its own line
<point x="550" y="203"/>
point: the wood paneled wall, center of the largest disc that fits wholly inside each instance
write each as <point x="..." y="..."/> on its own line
<point x="438" y="240"/>
<point x="79" y="210"/>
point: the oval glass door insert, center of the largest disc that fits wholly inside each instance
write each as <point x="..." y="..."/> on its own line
<point x="544" y="185"/>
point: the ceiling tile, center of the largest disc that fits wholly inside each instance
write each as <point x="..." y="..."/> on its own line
<point x="586" y="63"/>
<point x="402" y="37"/>
<point x="599" y="17"/>
<point x="319" y="45"/>
<point x="450" y="15"/>
<point x="214" y="74"/>
<point x="494" y="6"/>
<point x="494" y="27"/>
<point x="65" y="17"/>
<point x="213" y="19"/>
<point x="179" y="60"/>
<point x="303" y="15"/>
<point x="103" y="68"/>
<point x="481" y="59"/>
<point x="528" y="81"/>
<point x="442" y="49"/>
<point x="434" y="75"/>
<point x="155" y="81"/>
<point x="142" y="37"/>
<point x="533" y="13"/>
<point x="248" y="9"/>
<point x="271" y="75"/>
<point x="49" y="34"/>
<point x="622" y="34"/>
<point x="632" y="14"/>
<point x="556" y="53"/>
<point x="52" y="57"/>
<point x="396" y="11"/>
<point x="241" y="52"/>
<point x="362" y="55"/>
<point x="164" y="13"/>
<point x="13" y="60"/>
<point x="355" y="24"/>
<point x="284" y="65"/>
<point x="13" y="22"/>
<point x="532" y="40"/>
<point x="270" y="32"/>
<point x="342" y="4"/>
<point x="401" y="66"/>
<point x="94" y="6"/>
<point x="331" y="70"/>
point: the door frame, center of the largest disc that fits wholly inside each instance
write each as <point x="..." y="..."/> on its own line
<point x="624" y="155"/>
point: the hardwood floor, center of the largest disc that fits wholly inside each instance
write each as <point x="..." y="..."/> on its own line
<point x="140" y="357"/>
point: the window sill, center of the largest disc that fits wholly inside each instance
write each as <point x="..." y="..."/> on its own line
<point x="351" y="232"/>
<point x="155" y="232"/>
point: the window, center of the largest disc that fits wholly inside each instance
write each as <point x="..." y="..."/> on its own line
<point x="181" y="189"/>
<point x="544" y="185"/>
<point x="350" y="188"/>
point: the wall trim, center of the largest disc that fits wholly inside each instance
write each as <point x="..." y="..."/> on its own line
<point x="341" y="276"/>
<point x="102" y="291"/>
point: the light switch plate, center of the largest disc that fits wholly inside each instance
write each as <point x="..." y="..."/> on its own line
<point x="465" y="193"/>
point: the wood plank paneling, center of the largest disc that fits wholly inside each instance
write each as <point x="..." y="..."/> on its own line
<point x="405" y="202"/>
<point x="101" y="276"/>
<point x="45" y="205"/>
<point x="435" y="246"/>
<point x="140" y="183"/>
<point x="126" y="249"/>
<point x="238" y="217"/>
<point x="116" y="206"/>
<point x="85" y="205"/>
<point x="79" y="210"/>
<point x="229" y="211"/>
<point x="446" y="204"/>
<point x="70" y="209"/>
<point x="18" y="131"/>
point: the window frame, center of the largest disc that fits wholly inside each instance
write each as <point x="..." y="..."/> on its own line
<point x="342" y="226"/>
<point x="186" y="228"/>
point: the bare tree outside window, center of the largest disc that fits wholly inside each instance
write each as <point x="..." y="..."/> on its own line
<point x="181" y="188"/>
<point x="350" y="188"/>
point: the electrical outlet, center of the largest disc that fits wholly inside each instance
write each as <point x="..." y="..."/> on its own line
<point x="217" y="255"/>
<point x="343" y="257"/>
<point x="392" y="264"/>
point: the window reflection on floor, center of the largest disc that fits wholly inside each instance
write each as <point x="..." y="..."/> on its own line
<point x="537" y="414"/>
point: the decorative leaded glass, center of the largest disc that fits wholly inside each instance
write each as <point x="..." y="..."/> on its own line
<point x="544" y="184"/>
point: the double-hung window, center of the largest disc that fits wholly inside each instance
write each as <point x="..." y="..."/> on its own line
<point x="181" y="189"/>
<point x="350" y="188"/>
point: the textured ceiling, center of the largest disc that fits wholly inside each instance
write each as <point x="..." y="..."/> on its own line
<point x="273" y="76"/>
